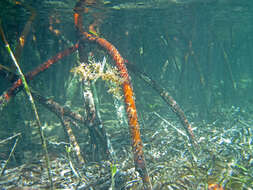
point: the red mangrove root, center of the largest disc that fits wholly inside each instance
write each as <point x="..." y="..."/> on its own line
<point x="134" y="128"/>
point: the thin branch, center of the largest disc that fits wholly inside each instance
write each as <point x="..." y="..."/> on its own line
<point x="28" y="92"/>
<point x="10" y="155"/>
<point x="167" y="98"/>
<point x="9" y="138"/>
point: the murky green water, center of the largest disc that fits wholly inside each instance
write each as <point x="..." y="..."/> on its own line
<point x="198" y="52"/>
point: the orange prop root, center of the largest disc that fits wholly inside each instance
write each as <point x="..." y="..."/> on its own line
<point x="137" y="146"/>
<point x="5" y="97"/>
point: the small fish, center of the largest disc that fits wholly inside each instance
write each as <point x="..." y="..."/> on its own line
<point x="215" y="187"/>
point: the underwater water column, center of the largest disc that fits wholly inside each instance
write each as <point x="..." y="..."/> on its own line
<point x="134" y="127"/>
